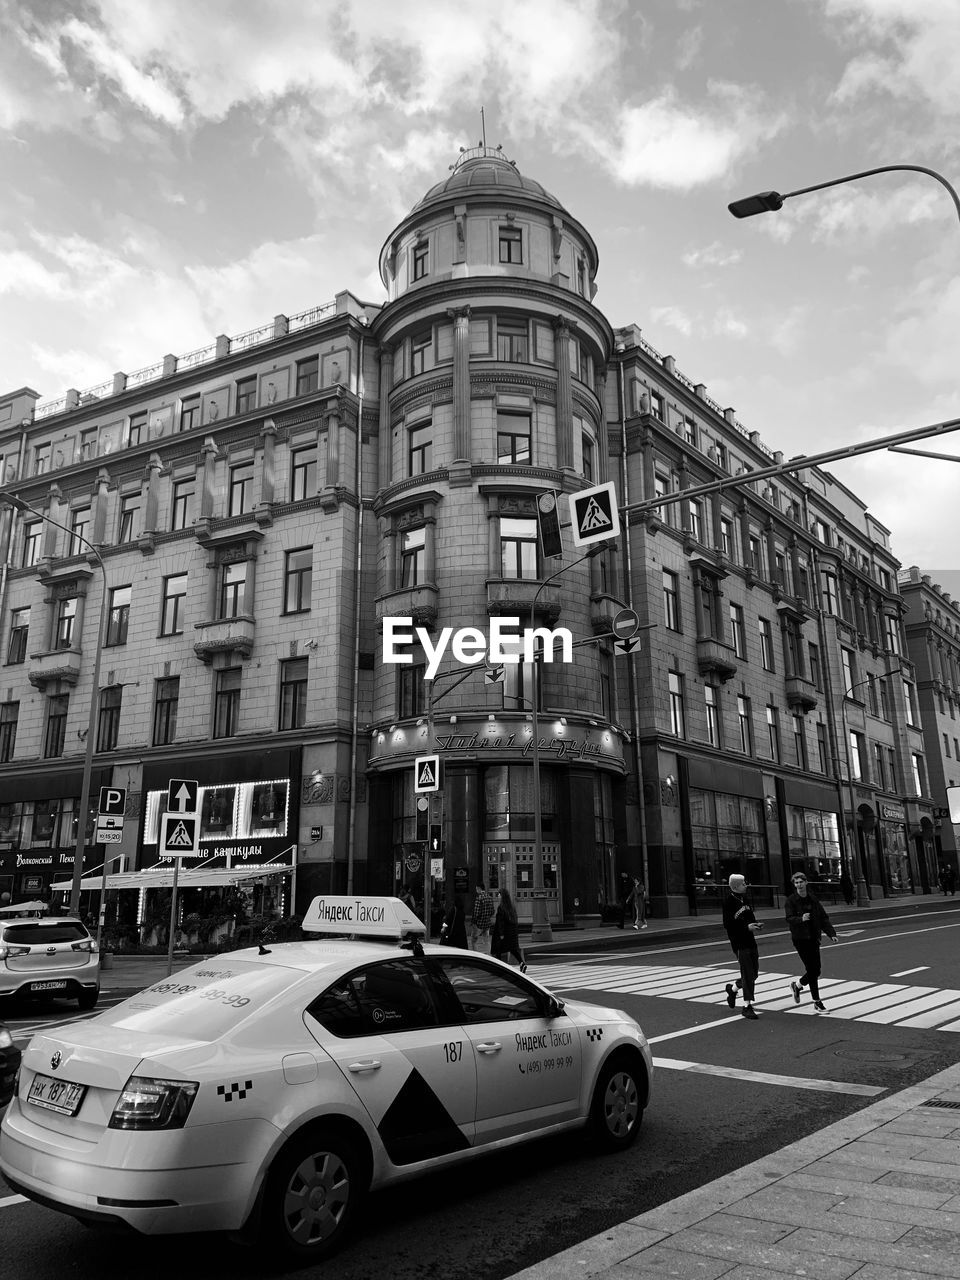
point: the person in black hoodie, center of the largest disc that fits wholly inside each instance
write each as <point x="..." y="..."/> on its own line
<point x="808" y="921"/>
<point x="742" y="926"/>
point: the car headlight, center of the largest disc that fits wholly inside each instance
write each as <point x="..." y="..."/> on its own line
<point x="86" y="945"/>
<point x="145" y="1103"/>
<point x="6" y="1039"/>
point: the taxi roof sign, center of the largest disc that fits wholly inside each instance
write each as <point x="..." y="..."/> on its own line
<point x="372" y="917"/>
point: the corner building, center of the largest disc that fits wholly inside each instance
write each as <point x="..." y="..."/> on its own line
<point x="261" y="506"/>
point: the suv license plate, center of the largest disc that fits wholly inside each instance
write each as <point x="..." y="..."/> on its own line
<point x="49" y="986"/>
<point x="56" y="1095"/>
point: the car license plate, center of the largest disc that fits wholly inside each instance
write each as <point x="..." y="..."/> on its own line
<point x="56" y="1095"/>
<point x="49" y="986"/>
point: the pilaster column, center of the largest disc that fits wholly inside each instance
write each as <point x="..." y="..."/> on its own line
<point x="385" y="460"/>
<point x="461" y="384"/>
<point x="208" y="465"/>
<point x="561" y="329"/>
<point x="98" y="516"/>
<point x="268" y="471"/>
<point x="151" y="483"/>
<point x="333" y="448"/>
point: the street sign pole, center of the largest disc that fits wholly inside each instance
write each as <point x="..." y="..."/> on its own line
<point x="173" y="916"/>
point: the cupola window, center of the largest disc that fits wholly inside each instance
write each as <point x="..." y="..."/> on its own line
<point x="511" y="245"/>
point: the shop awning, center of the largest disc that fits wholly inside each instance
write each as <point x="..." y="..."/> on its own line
<point x="195" y="878"/>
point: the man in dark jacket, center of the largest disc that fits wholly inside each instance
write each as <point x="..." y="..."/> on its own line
<point x="742" y="926"/>
<point x="808" y="921"/>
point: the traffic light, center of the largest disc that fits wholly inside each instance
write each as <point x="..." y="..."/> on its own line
<point x="548" y="523"/>
<point x="436" y="838"/>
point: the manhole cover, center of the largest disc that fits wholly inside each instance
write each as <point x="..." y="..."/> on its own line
<point x="856" y="1054"/>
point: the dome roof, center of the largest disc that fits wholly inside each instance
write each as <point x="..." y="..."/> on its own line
<point x="485" y="167"/>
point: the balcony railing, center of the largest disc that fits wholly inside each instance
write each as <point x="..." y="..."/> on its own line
<point x="60" y="664"/>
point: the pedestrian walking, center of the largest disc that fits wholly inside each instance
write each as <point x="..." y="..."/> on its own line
<point x="742" y="926"/>
<point x="638" y="901"/>
<point x="506" y="935"/>
<point x="948" y="879"/>
<point x="481" y="919"/>
<point x="808" y="921"/>
<point x="623" y="897"/>
<point x="453" y="931"/>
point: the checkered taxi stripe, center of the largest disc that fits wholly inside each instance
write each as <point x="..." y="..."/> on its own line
<point x="891" y="1003"/>
<point x="230" y="1091"/>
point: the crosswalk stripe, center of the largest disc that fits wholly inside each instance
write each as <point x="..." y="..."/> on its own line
<point x="857" y="1000"/>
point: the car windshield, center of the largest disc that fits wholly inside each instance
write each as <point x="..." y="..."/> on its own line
<point x="36" y="933"/>
<point x="204" y="1001"/>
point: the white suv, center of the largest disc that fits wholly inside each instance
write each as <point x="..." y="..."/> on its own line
<point x="55" y="956"/>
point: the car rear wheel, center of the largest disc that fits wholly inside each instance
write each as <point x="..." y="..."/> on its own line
<point x="617" y="1110"/>
<point x="88" y="999"/>
<point x="313" y="1190"/>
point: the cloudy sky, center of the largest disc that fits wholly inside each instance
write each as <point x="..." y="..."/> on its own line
<point x="183" y="168"/>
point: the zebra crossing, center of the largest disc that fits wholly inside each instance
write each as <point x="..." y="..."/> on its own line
<point x="891" y="1003"/>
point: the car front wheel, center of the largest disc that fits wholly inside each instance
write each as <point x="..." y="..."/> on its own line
<point x="312" y="1193"/>
<point x="617" y="1110"/>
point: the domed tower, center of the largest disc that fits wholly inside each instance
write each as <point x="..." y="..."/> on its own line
<point x="491" y="395"/>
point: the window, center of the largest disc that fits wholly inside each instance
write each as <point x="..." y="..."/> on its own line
<point x="919" y="774"/>
<point x="656" y="405"/>
<point x="755" y="554"/>
<point x="129" y="511"/>
<point x="849" y="672"/>
<point x="909" y="702"/>
<point x="766" y="644"/>
<point x="226" y="710"/>
<point x="420" y="352"/>
<point x="241" y="488"/>
<point x="511" y="244"/>
<point x="66" y="621"/>
<point x="744" y="725"/>
<point x="298" y="580"/>
<point x="9" y="715"/>
<point x="513" y="438"/>
<point x="233" y="581"/>
<point x="413" y="555"/>
<point x="166" y="699"/>
<point x="856" y="755"/>
<point x="189" y="413"/>
<point x="793" y="645"/>
<point x="138" y="423"/>
<point x="773" y="733"/>
<point x="661" y="487"/>
<point x="518" y="548"/>
<point x="308" y="375"/>
<point x="884" y="697"/>
<point x="872" y="695"/>
<point x="79" y="524"/>
<point x="709" y="598"/>
<point x="726" y="536"/>
<point x="512" y="341"/>
<point x="690" y="431"/>
<point x="88" y="444"/>
<point x="246" y="394"/>
<point x="831" y="594"/>
<point x="586" y="453"/>
<point x="879" y="771"/>
<point x="31" y="544"/>
<point x="720" y="454"/>
<point x="410" y="691"/>
<point x="421" y="260"/>
<point x="398" y="993"/>
<point x="57" y="706"/>
<point x="119" y="618"/>
<point x="518" y="683"/>
<point x="677" y="720"/>
<point x="711" y="697"/>
<point x="303" y="474"/>
<point x="19" y="629"/>
<point x="780" y="569"/>
<point x="823" y="749"/>
<point x="799" y="741"/>
<point x="293" y="693"/>
<point x="695" y="518"/>
<point x="108" y="718"/>
<point x="671" y="600"/>
<point x="171" y="609"/>
<point x="420" y="450"/>
<point x="738" y="632"/>
<point x="181" y="515"/>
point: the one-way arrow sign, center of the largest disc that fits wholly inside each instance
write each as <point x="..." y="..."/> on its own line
<point x="626" y="646"/>
<point x="182" y="795"/>
<point x="493" y="675"/>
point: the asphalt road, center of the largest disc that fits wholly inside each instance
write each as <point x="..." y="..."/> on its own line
<point x="734" y="1090"/>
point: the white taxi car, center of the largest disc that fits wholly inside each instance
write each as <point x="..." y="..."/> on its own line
<point x="264" y="1092"/>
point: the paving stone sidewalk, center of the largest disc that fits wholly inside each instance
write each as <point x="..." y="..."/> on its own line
<point x="874" y="1196"/>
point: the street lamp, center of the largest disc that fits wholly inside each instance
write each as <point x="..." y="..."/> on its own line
<point x="20" y="505"/>
<point x="541" y="930"/>
<point x="771" y="201"/>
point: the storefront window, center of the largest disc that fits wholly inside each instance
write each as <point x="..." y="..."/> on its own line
<point x="814" y="843"/>
<point x="508" y="802"/>
<point x="727" y="834"/>
<point x="899" y="876"/>
<point x="604" y="840"/>
<point x="11" y="817"/>
<point x="238" y="811"/>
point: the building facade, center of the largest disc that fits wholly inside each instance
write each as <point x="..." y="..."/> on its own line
<point x="233" y="528"/>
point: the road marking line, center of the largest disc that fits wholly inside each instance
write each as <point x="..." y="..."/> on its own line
<point x="906" y="972"/>
<point x="766" y="1077"/>
<point x="9" y="1201"/>
<point x="689" y="1031"/>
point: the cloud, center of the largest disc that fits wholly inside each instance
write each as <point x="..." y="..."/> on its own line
<point x="673" y="318"/>
<point x="727" y="325"/>
<point x="711" y="255"/>
<point x="869" y="209"/>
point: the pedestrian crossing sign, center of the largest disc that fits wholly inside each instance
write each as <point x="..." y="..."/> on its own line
<point x="594" y="514"/>
<point x="426" y="774"/>
<point x="179" y="835"/>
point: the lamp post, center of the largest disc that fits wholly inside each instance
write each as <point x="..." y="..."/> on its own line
<point x="771" y="201"/>
<point x="541" y="930"/>
<point x="84" y="803"/>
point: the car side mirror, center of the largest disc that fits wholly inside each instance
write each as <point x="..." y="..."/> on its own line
<point x="555" y="1007"/>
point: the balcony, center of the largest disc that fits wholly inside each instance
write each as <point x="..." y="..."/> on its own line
<point x="512" y="598"/>
<point x="227" y="640"/>
<point x="714" y="658"/>
<point x="420" y="602"/>
<point x="603" y="610"/>
<point x="801" y="694"/>
<point x="61" y="664"/>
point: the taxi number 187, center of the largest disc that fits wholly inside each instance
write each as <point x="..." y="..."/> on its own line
<point x="453" y="1049"/>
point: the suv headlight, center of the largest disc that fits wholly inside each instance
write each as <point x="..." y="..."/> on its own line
<point x="145" y="1103"/>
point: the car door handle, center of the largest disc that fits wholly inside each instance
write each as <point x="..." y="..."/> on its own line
<point x="358" y="1067"/>
<point x="489" y="1046"/>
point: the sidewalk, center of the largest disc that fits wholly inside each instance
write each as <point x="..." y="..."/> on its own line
<point x="876" y="1196"/>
